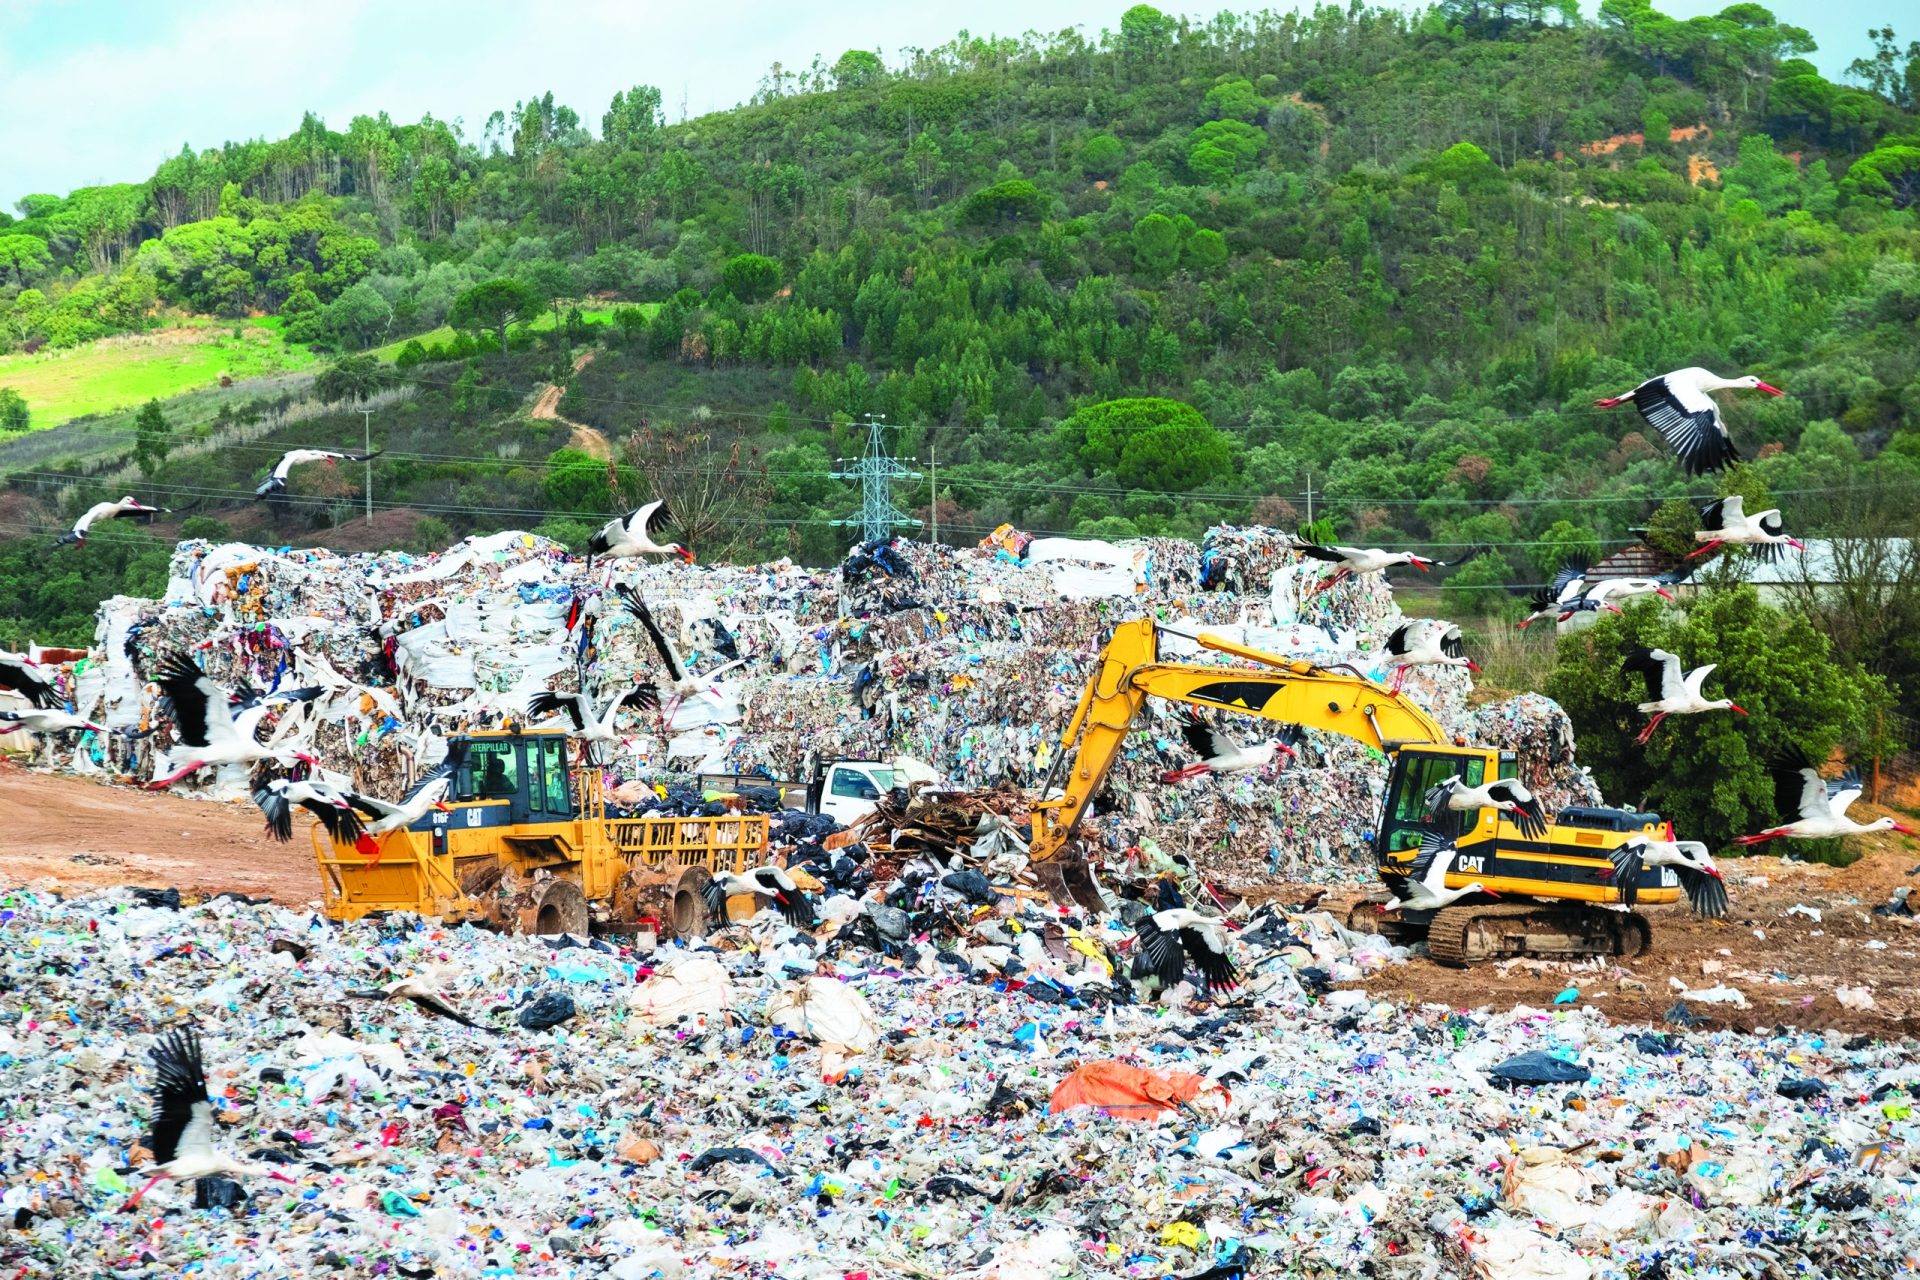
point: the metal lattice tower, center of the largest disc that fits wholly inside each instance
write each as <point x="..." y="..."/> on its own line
<point x="876" y="470"/>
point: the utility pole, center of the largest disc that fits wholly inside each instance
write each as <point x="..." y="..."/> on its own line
<point x="1309" y="497"/>
<point x="876" y="470"/>
<point x="366" y="423"/>
<point x="933" y="484"/>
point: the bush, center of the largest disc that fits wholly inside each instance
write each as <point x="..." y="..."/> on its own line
<point x="750" y="277"/>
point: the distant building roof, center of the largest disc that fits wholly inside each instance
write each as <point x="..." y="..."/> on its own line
<point x="1637" y="561"/>
<point x="1815" y="564"/>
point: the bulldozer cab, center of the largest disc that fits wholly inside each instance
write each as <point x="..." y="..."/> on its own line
<point x="1416" y="771"/>
<point x="522" y="775"/>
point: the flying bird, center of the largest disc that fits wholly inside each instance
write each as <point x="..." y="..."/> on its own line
<point x="277" y="800"/>
<point x="1426" y="643"/>
<point x="1725" y="522"/>
<point x="1177" y="936"/>
<point x="207" y="732"/>
<point x="423" y="995"/>
<point x="182" y="1138"/>
<point x="425" y="796"/>
<point x="591" y="727"/>
<point x="125" y="509"/>
<point x="1221" y="754"/>
<point x="23" y="676"/>
<point x="762" y="882"/>
<point x="1678" y="407"/>
<point x="1690" y="861"/>
<point x="1608" y="592"/>
<point x="681" y="683"/>
<point x="632" y="535"/>
<point x="1543" y="604"/>
<point x="1819" y="807"/>
<point x="1423" y="885"/>
<point x="1352" y="561"/>
<point x="1669" y="693"/>
<point x="1522" y="807"/>
<point x="275" y="485"/>
<point x="47" y="722"/>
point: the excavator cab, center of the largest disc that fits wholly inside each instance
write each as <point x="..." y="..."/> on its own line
<point x="528" y="771"/>
<point x="1416" y="771"/>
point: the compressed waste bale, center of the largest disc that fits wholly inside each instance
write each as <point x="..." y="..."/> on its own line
<point x="826" y="1011"/>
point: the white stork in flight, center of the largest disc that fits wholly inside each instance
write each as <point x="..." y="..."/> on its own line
<point x="1678" y="407"/>
<point x="1522" y="807"/>
<point x="1725" y="522"/>
<point x="47" y="722"/>
<point x="22" y="675"/>
<point x="1819" y="807"/>
<point x="632" y="535"/>
<point x="591" y="726"/>
<point x="1221" y="754"/>
<point x="1423" y="885"/>
<point x="1670" y="693"/>
<point x="762" y="882"/>
<point x="206" y="731"/>
<point x="182" y="1135"/>
<point x="125" y="509"/>
<point x="1426" y="643"/>
<point x="275" y="485"/>
<point x="1172" y="939"/>
<point x="1691" y="862"/>
<point x="1352" y="561"/>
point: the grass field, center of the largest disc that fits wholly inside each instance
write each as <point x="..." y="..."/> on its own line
<point x="117" y="372"/>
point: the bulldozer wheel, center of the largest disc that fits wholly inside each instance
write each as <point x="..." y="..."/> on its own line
<point x="686" y="908"/>
<point x="561" y="908"/>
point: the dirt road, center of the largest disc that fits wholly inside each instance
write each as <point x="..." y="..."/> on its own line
<point x="72" y="833"/>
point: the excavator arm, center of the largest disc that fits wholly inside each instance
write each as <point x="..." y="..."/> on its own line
<point x="1129" y="672"/>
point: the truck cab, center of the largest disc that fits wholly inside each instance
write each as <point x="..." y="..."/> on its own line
<point x="848" y="790"/>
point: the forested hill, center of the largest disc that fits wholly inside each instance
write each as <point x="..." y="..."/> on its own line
<point x="1392" y="257"/>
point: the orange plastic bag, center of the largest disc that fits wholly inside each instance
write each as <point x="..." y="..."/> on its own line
<point x="1129" y="1092"/>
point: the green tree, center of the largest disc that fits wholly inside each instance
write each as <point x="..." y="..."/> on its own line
<point x="1235" y="100"/>
<point x="1888" y="175"/>
<point x="152" y="438"/>
<point x="1220" y="150"/>
<point x="1102" y="155"/>
<point x="358" y="316"/>
<point x="1563" y="543"/>
<point x="1156" y="243"/>
<point x="1709" y="772"/>
<point x="1005" y="204"/>
<point x="14" y="417"/>
<point x="493" y="305"/>
<point x="1150" y="443"/>
<point x="858" y="68"/>
<point x="351" y="380"/>
<point x="23" y="256"/>
<point x="751" y="277"/>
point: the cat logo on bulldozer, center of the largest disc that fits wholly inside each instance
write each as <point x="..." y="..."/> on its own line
<point x="1473" y="865"/>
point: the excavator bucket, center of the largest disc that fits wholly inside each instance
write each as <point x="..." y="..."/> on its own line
<point x="1069" y="880"/>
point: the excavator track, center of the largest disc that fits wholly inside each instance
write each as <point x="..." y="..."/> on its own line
<point x="1469" y="935"/>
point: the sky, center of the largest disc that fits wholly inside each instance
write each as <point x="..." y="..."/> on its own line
<point x="98" y="91"/>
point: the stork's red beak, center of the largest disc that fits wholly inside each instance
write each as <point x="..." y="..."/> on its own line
<point x="443" y="806"/>
<point x="1614" y="608"/>
<point x="685" y="555"/>
<point x="1736" y="708"/>
<point x="1663" y="593"/>
<point x="1905" y="830"/>
<point x="1419" y="564"/>
<point x="1772" y="391"/>
<point x="1472" y="665"/>
<point x="1489" y="893"/>
<point x="1796" y="544"/>
<point x="1523" y="625"/>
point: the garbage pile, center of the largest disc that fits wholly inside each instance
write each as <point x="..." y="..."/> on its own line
<point x="970" y="659"/>
<point x="797" y="1108"/>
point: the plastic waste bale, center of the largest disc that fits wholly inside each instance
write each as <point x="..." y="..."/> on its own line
<point x="826" y="1011"/>
<point x="690" y="987"/>
<point x="1129" y="1092"/>
<point x="1521" y="1253"/>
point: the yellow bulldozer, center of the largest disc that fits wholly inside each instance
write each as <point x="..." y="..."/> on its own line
<point x="1562" y="879"/>
<point x="525" y="844"/>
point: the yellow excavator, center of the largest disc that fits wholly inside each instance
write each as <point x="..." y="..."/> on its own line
<point x="1561" y="879"/>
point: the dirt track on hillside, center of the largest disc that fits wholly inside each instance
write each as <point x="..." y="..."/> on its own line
<point x="72" y="834"/>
